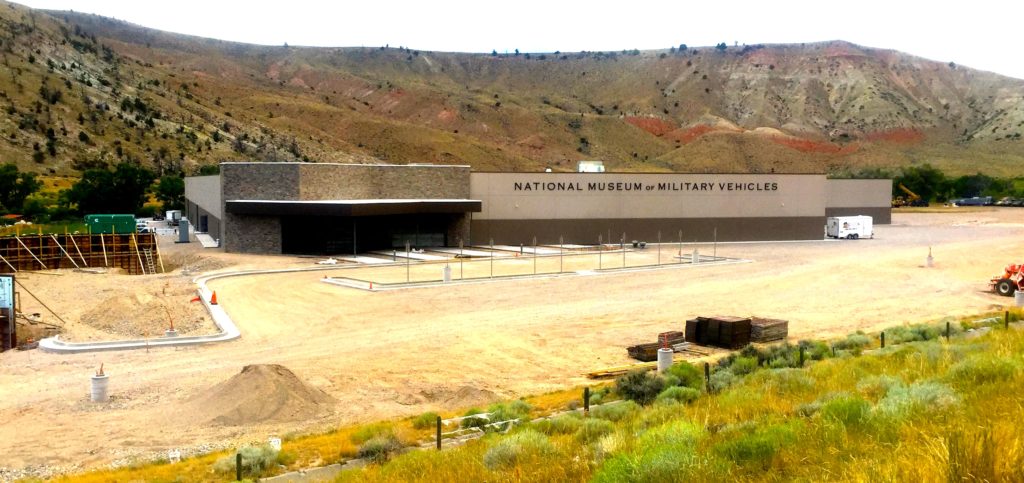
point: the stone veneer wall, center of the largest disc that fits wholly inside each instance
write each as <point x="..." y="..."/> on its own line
<point x="362" y="182"/>
<point x="308" y="181"/>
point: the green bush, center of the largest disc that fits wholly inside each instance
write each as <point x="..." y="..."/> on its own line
<point x="425" y="420"/>
<point x="983" y="368"/>
<point x="670" y="380"/>
<point x="812" y="408"/>
<point x="518" y="409"/>
<point x="678" y="394"/>
<point x="688" y="374"/>
<point x="517" y="447"/>
<point x="615" y="412"/>
<point x="849" y="410"/>
<point x="255" y="460"/>
<point x="854" y="343"/>
<point x="596" y="399"/>
<point x="789" y="380"/>
<point x="758" y="446"/>
<point x="640" y="386"/>
<point x="815" y="350"/>
<point x="904" y="402"/>
<point x="721" y="379"/>
<point x="471" y="422"/>
<point x="371" y="431"/>
<point x="564" y="424"/>
<point x="379" y="449"/>
<point x="742" y="366"/>
<point x="878" y="386"/>
<point x="664" y="453"/>
<point x="911" y="333"/>
<point x="591" y="429"/>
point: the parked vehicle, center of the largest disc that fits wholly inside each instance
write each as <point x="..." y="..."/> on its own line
<point x="850" y="227"/>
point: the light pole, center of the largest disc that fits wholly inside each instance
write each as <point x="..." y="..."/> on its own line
<point x="659" y="247"/>
<point x="600" y="248"/>
<point x="492" y="257"/>
<point x="680" y="246"/>
<point x="407" y="259"/>
<point x="561" y="241"/>
<point x="535" y="255"/>
<point x="461" y="258"/>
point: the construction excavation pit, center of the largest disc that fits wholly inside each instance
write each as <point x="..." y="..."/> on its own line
<point x="357" y="356"/>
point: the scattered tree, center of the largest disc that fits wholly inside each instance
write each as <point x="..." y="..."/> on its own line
<point x="15" y="187"/>
<point x="170" y="191"/>
<point x="101" y="190"/>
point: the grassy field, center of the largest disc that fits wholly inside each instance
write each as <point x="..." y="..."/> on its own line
<point x="923" y="408"/>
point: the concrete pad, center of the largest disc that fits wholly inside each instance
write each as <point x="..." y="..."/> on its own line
<point x="471" y="252"/>
<point x="426" y="257"/>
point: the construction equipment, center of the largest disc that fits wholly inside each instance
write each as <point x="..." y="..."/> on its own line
<point x="1010" y="281"/>
<point x="912" y="199"/>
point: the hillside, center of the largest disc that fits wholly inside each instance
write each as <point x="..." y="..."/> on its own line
<point x="81" y="90"/>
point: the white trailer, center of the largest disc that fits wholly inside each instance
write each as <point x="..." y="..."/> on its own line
<point x="173" y="217"/>
<point x="849" y="227"/>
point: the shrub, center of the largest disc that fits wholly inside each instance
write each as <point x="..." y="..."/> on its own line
<point x="743" y="365"/>
<point x="983" y="369"/>
<point x="902" y="402"/>
<point x="380" y="448"/>
<point x="877" y="386"/>
<point x="640" y="386"/>
<point x="670" y="380"/>
<point x="565" y="424"/>
<point x="518" y="409"/>
<point x="371" y="431"/>
<point x="615" y="412"/>
<point x="812" y="408"/>
<point x="678" y="394"/>
<point x="470" y="422"/>
<point x="853" y="342"/>
<point x="517" y="447"/>
<point x="591" y="429"/>
<point x="911" y="333"/>
<point x="596" y="398"/>
<point x="815" y="350"/>
<point x="758" y="446"/>
<point x="850" y="410"/>
<point x="721" y="380"/>
<point x="689" y="375"/>
<point x="665" y="453"/>
<point x="425" y="420"/>
<point x="255" y="460"/>
<point x="788" y="380"/>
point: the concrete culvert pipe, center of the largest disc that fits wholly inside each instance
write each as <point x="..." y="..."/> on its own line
<point x="99" y="388"/>
<point x="664" y="359"/>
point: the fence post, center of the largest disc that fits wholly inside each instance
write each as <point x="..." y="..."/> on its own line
<point x="1006" y="320"/>
<point x="659" y="247"/>
<point x="238" y="466"/>
<point x="439" y="432"/>
<point x="586" y="401"/>
<point x="801" y="356"/>
<point x="561" y="242"/>
<point x="407" y="260"/>
<point x="535" y="255"/>
<point x="600" y="248"/>
<point x="680" y="254"/>
<point x="833" y="350"/>
<point x="883" y="340"/>
<point x="461" y="259"/>
<point x="622" y="245"/>
<point x="492" y="257"/>
<point x="947" y="330"/>
<point x="714" y="254"/>
<point x="707" y="376"/>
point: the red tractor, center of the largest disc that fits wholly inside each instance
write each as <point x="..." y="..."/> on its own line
<point x="1011" y="281"/>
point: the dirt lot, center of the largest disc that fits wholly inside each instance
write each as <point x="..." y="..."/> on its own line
<point x="403" y="352"/>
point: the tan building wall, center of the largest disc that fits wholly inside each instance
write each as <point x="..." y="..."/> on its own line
<point x="872" y="197"/>
<point x="578" y="207"/>
<point x="204" y="191"/>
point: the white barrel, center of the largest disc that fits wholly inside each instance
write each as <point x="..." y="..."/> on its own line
<point x="1018" y="298"/>
<point x="447" y="273"/>
<point x="99" y="388"/>
<point x="664" y="359"/>
<point x="929" y="262"/>
<point x="695" y="258"/>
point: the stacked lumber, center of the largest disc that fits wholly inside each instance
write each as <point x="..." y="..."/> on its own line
<point x="721" y="331"/>
<point x="767" y="330"/>
<point x="649" y="352"/>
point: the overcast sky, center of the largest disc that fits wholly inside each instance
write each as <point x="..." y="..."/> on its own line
<point x="983" y="34"/>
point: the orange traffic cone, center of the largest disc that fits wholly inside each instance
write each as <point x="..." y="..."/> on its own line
<point x="213" y="298"/>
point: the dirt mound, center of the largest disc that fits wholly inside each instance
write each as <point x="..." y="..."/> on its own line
<point x="131" y="315"/>
<point x="261" y="393"/>
<point x="464" y="396"/>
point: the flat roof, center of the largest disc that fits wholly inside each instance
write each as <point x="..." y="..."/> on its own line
<point x="373" y="207"/>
